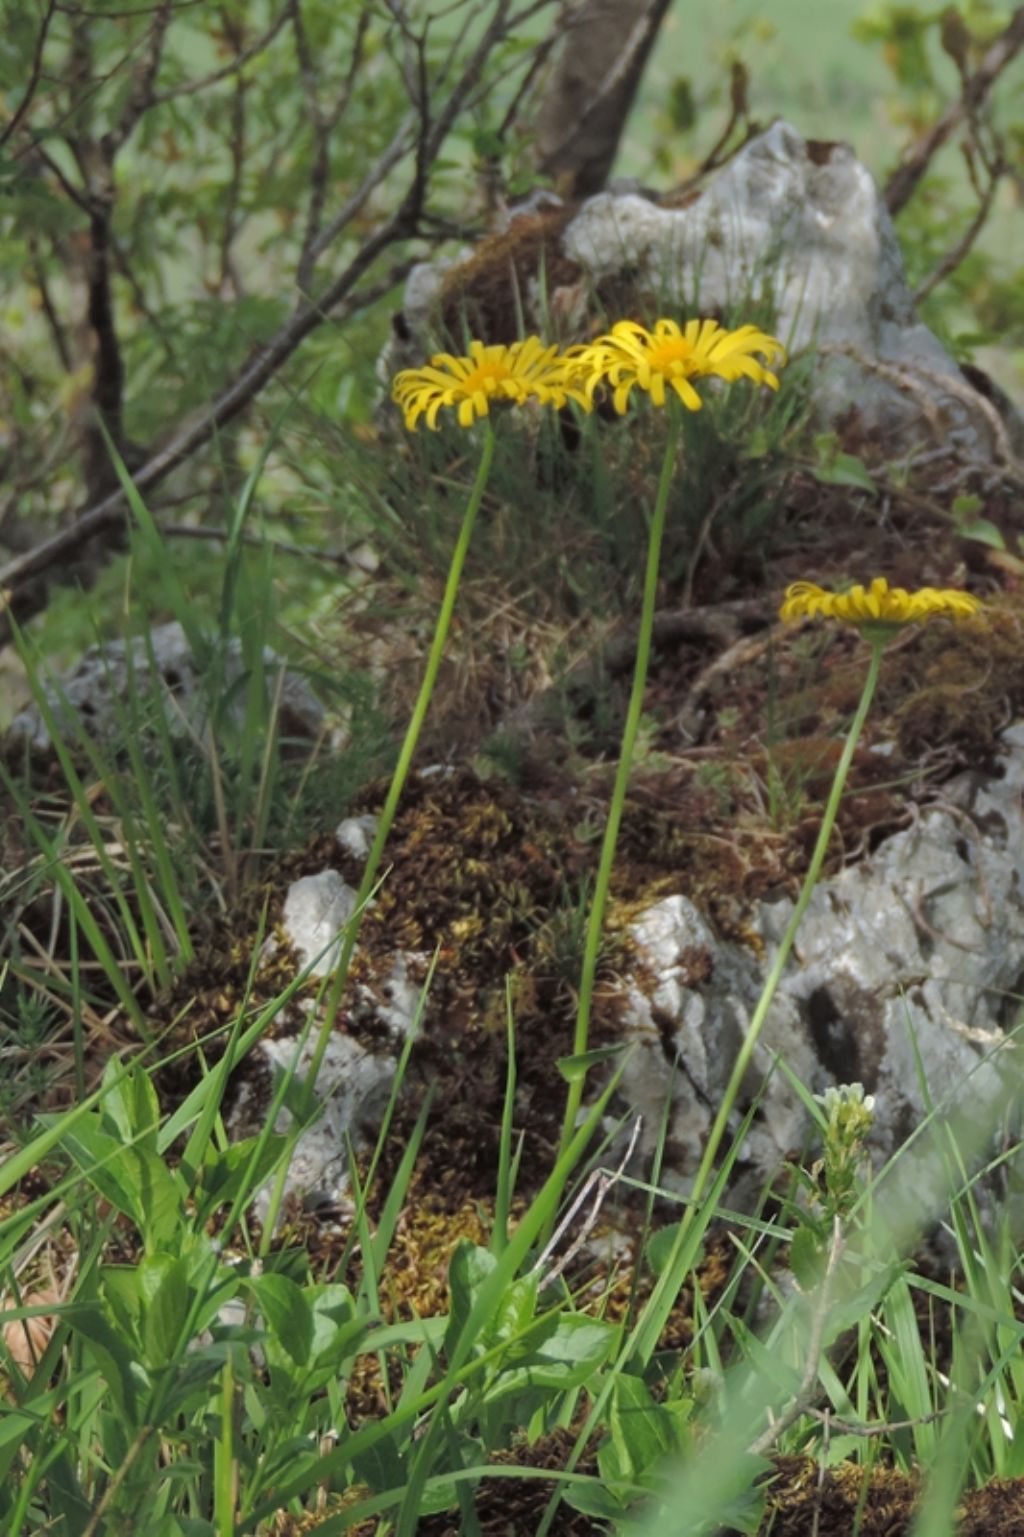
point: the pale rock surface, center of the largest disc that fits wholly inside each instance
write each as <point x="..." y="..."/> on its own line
<point x="803" y="226"/>
<point x="353" y="1082"/>
<point x="316" y="910"/>
<point x="907" y="974"/>
<point x="353" y="1086"/>
<point x="96" y="690"/>
<point x="908" y="970"/>
<point x="356" y="835"/>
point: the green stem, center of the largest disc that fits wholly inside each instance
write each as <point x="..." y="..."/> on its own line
<point x="405" y="756"/>
<point x="595" y="921"/>
<point x="770" y="988"/>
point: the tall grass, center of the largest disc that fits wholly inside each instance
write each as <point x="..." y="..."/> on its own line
<point x="173" y="1368"/>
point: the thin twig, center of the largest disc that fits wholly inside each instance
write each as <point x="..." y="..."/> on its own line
<point x="956" y="253"/>
<point x="801" y="1399"/>
<point x="192" y="87"/>
<point x="108" y="513"/>
<point x="34" y="74"/>
<point x="872" y="1427"/>
<point x="904" y="180"/>
<point x="600" y="1180"/>
<point x="141" y="96"/>
<point x="279" y="546"/>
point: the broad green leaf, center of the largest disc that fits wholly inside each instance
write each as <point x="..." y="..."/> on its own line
<point x="514" y="1316"/>
<point x="660" y="1245"/>
<point x="577" y="1349"/>
<point x="469" y="1268"/>
<point x="130" y="1107"/>
<point x="135" y="1180"/>
<point x="225" y="1173"/>
<point x="166" y="1297"/>
<point x="286" y="1313"/>
<point x="111" y="1352"/>
<point x="642" y="1430"/>
<point x="982" y="532"/>
<point x="808" y="1257"/>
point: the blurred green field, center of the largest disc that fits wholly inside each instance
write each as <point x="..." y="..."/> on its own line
<point x="807" y="64"/>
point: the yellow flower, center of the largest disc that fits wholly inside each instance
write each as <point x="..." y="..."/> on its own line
<point x="879" y="605"/>
<point x="523" y="371"/>
<point x="630" y="355"/>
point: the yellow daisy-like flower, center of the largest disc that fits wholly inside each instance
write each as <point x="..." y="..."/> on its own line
<point x="670" y="356"/>
<point x="523" y="371"/>
<point x="878" y="605"/>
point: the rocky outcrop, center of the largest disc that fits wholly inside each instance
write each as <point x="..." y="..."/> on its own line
<point x="792" y="232"/>
<point x="906" y="977"/>
<point x="162" y="669"/>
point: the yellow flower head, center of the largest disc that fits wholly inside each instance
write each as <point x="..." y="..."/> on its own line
<point x="631" y="356"/>
<point x="526" y="370"/>
<point x="878" y="607"/>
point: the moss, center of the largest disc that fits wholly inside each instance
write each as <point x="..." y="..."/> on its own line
<point x="964" y="686"/>
<point x="487" y="292"/>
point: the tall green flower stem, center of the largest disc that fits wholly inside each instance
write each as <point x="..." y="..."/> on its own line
<point x="405" y="757"/>
<point x="595" y="921"/>
<point x="878" y="642"/>
<point x="661" y="1301"/>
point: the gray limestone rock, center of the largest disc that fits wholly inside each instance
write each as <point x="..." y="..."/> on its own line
<point x="353" y="1083"/>
<point x="803" y="226"/>
<point x="907" y="974"/>
<point x="95" y="692"/>
<point x="796" y="227"/>
<point x="353" y="1086"/>
<point x="316" y="910"/>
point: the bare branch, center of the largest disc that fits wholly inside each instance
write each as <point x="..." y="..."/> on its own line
<point x="108" y="514"/>
<point x="399" y="146"/>
<point x="35" y="71"/>
<point x="236" y="150"/>
<point x="350" y="291"/>
<point x="1004" y="50"/>
<point x="324" y="125"/>
<point x="53" y="320"/>
<point x="141" y="96"/>
<point x="956" y="253"/>
<point x="191" y="87"/>
<point x="280" y="546"/>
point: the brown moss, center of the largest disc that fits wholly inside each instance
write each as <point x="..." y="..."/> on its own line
<point x="964" y="686"/>
<point x="482" y="293"/>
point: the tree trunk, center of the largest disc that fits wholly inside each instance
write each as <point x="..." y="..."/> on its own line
<point x="589" y="93"/>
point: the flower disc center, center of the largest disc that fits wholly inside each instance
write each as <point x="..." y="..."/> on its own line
<point x="666" y="356"/>
<point x="486" y="377"/>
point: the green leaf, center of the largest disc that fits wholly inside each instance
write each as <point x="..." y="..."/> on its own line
<point x="578" y="1347"/>
<point x="112" y="1352"/>
<point x="642" y="1431"/>
<point x="660" y="1245"/>
<point x="166" y="1295"/>
<point x="966" y="506"/>
<point x="845" y="470"/>
<point x="514" y="1318"/>
<point x="134" y="1180"/>
<point x="574" y="1069"/>
<point x="131" y="1111"/>
<point x="808" y="1257"/>
<point x="224" y="1174"/>
<point x="470" y="1266"/>
<point x="982" y="532"/>
<point x="596" y="1498"/>
<point x="286" y="1313"/>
